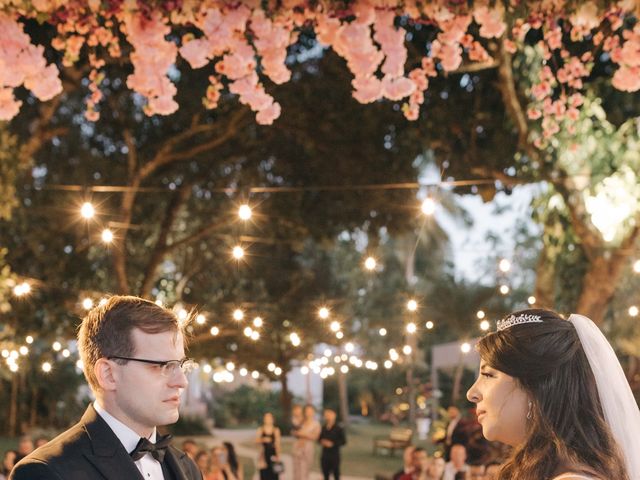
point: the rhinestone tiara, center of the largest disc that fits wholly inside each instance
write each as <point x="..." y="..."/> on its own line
<point x="512" y="320"/>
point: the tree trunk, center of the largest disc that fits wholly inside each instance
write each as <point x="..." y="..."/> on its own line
<point x="13" y="406"/>
<point x="457" y="381"/>
<point x="33" y="409"/>
<point x="599" y="284"/>
<point x="285" y="402"/>
<point x="344" y="400"/>
<point x="545" y="282"/>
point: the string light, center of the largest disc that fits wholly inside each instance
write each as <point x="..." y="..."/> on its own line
<point x="230" y="366"/>
<point x="87" y="211"/>
<point x="428" y="206"/>
<point x="29" y="339"/>
<point x="465" y="348"/>
<point x="504" y="265"/>
<point x="295" y="339"/>
<point x="13" y="367"/>
<point x="370" y="263"/>
<point x="485" y="325"/>
<point x="258" y="322"/>
<point x="23" y="350"/>
<point x="633" y="311"/>
<point x="201" y="319"/>
<point x="243" y="372"/>
<point x="22" y="289"/>
<point x="480" y="314"/>
<point x="87" y="303"/>
<point x="271" y="367"/>
<point x="344" y="369"/>
<point x="107" y="236"/>
<point x="255" y="374"/>
<point x="531" y="300"/>
<point x="277" y="372"/>
<point x="349" y="347"/>
<point x="46" y="367"/>
<point x="214" y="331"/>
<point x="79" y="365"/>
<point x="238" y="315"/>
<point x="238" y="252"/>
<point x="66" y="353"/>
<point x="248" y="331"/>
<point x="255" y="336"/>
<point x="335" y="326"/>
<point x="304" y="370"/>
<point x="323" y="313"/>
<point x="57" y="346"/>
<point x="388" y="364"/>
<point x="244" y="212"/>
<point x="407" y="349"/>
<point x="339" y="335"/>
<point x="636" y="266"/>
<point x="411" y="328"/>
<point x="504" y="289"/>
<point x="429" y="325"/>
<point x="207" y="369"/>
<point x="382" y="332"/>
<point x="412" y="305"/>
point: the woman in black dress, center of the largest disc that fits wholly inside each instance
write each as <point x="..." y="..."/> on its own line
<point x="269" y="436"/>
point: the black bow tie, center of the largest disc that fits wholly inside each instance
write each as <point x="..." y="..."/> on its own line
<point x="157" y="450"/>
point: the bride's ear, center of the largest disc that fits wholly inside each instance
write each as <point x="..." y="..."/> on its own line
<point x="530" y="411"/>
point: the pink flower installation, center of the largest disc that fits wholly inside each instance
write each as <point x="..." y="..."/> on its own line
<point x="244" y="46"/>
<point x="22" y="63"/>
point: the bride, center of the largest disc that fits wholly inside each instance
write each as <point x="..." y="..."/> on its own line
<point x="554" y="390"/>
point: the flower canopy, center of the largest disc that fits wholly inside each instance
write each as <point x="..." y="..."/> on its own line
<point x="244" y="45"/>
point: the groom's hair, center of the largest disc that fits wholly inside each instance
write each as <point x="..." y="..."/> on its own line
<point x="567" y="423"/>
<point x="106" y="330"/>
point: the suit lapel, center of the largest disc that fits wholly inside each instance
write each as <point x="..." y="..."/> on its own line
<point x="174" y="459"/>
<point x="107" y="453"/>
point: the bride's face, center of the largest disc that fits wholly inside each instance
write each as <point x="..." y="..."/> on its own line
<point x="502" y="406"/>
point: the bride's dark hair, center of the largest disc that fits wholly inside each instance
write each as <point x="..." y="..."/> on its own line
<point x="567" y="424"/>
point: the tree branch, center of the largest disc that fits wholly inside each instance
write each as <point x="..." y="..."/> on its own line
<point x="509" y="92"/>
<point x="132" y="151"/>
<point x="161" y="248"/>
<point x="164" y="155"/>
<point x="201" y="233"/>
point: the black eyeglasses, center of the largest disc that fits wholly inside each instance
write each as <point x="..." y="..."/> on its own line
<point x="168" y="367"/>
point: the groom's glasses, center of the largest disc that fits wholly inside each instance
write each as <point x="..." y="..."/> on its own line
<point x="167" y="368"/>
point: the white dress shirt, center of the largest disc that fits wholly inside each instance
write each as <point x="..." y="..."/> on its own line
<point x="149" y="467"/>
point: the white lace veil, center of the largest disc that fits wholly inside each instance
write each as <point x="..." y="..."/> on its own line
<point x="619" y="405"/>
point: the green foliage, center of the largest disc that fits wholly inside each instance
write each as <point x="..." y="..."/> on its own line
<point x="9" y="165"/>
<point x="245" y="406"/>
<point x="189" y="425"/>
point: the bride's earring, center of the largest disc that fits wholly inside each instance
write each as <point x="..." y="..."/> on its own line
<point x="530" y="412"/>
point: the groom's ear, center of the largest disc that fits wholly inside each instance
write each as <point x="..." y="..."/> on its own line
<point x="106" y="373"/>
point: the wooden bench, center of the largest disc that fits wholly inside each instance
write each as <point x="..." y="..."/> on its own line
<point x="398" y="439"/>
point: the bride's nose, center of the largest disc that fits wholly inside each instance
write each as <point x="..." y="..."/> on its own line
<point x="473" y="395"/>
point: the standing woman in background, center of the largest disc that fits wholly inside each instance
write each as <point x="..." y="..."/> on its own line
<point x="304" y="446"/>
<point x="268" y="435"/>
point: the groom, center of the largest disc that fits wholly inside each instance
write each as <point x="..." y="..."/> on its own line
<point x="133" y="356"/>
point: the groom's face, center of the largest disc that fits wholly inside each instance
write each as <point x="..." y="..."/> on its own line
<point x="146" y="396"/>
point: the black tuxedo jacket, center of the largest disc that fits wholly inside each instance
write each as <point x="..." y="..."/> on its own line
<point x="90" y="450"/>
